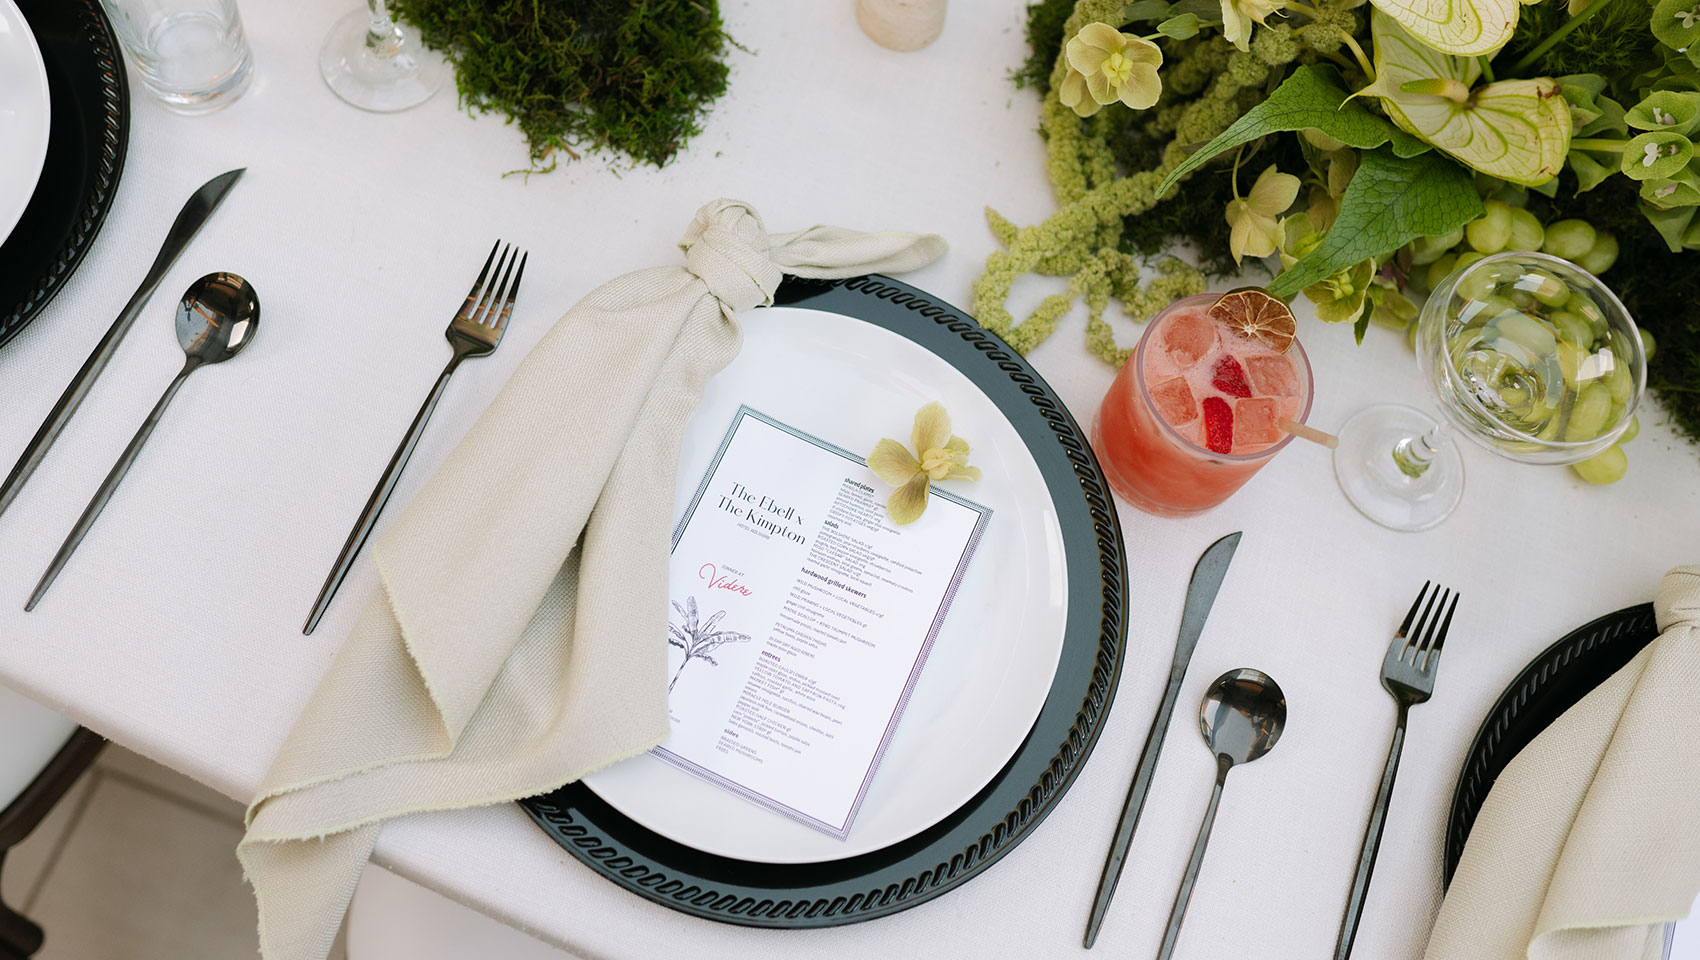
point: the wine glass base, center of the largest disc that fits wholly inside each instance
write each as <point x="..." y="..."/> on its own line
<point x="379" y="84"/>
<point x="1373" y="481"/>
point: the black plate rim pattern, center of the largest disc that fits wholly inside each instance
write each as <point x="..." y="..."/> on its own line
<point x="930" y="864"/>
<point x="114" y="138"/>
<point x="1603" y="645"/>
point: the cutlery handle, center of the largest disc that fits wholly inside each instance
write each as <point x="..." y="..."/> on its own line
<point x="1133" y="805"/>
<point x="73" y="396"/>
<point x="380" y="496"/>
<point x="109" y="485"/>
<point x="1372" y="842"/>
<point x="1172" y="934"/>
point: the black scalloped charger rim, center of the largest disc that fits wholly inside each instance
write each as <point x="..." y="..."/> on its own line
<point x="1551" y="684"/>
<point x="89" y="134"/>
<point x="948" y="854"/>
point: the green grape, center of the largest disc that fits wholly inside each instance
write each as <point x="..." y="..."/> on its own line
<point x="1573" y="327"/>
<point x="1607" y="467"/>
<point x="1546" y="288"/>
<point x="1600" y="256"/>
<point x="1632" y="431"/>
<point x="1647" y="343"/>
<point x="1426" y="250"/>
<point x="1490" y="232"/>
<point x="1526" y="231"/>
<point x="1525" y="331"/>
<point x="1440" y="270"/>
<point x="1570" y="239"/>
<point x="1619" y="380"/>
<point x="1590" y="414"/>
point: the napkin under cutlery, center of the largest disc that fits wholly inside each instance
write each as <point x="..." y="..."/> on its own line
<point x="1589" y="841"/>
<point x="517" y="641"/>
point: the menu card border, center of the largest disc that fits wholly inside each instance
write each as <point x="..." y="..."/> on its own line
<point x="969" y="547"/>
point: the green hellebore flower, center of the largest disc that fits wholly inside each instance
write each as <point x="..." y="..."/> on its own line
<point x="1340" y="297"/>
<point x="1251" y="218"/>
<point x="939" y="456"/>
<point x="1106" y="65"/>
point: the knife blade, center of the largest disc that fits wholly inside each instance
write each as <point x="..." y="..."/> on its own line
<point x="195" y="212"/>
<point x="1200" y="596"/>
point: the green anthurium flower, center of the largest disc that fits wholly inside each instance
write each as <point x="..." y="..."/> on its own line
<point x="1106" y="65"/>
<point x="1516" y="130"/>
<point x="1666" y="110"/>
<point x="1251" y="219"/>
<point x="938" y="456"/>
<point x="1656" y="156"/>
<point x="1677" y="23"/>
<point x="1465" y="28"/>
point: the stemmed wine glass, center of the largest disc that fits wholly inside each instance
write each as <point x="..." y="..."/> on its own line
<point x="1528" y="355"/>
<point x="377" y="64"/>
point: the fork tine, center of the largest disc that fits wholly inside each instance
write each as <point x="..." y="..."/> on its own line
<point x="1430" y="627"/>
<point x="478" y="285"/>
<point x="513" y="294"/>
<point x="1440" y="635"/>
<point x="1404" y="628"/>
<point x="483" y="308"/>
<point x="1414" y="638"/>
<point x="489" y="317"/>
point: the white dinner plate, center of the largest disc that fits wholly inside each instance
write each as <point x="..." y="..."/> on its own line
<point x="24" y="112"/>
<point x="851" y="383"/>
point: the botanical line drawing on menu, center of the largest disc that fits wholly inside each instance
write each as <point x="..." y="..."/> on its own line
<point x="697" y="639"/>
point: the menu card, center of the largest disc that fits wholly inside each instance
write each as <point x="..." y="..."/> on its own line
<point x="801" y="617"/>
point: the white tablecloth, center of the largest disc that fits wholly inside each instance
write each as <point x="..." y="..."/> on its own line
<point x="175" y="630"/>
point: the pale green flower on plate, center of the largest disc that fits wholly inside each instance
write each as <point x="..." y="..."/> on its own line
<point x="1106" y="65"/>
<point x="1254" y="230"/>
<point x="1237" y="16"/>
<point x="939" y="455"/>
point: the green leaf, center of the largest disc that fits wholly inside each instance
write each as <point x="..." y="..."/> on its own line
<point x="1360" y="327"/>
<point x="1463" y="28"/>
<point x="1182" y="27"/>
<point x="1590" y="173"/>
<point x="1142" y="10"/>
<point x="1391" y="201"/>
<point x="1610" y="120"/>
<point x="1516" y="130"/>
<point x="1312" y="98"/>
<point x="1671" y="224"/>
<point x="1202" y="9"/>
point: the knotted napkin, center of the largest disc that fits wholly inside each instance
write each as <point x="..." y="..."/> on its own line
<point x="518" y="637"/>
<point x="1589" y="841"/>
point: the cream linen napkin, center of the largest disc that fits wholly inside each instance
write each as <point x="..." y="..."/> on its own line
<point x="1589" y="841"/>
<point x="516" y="641"/>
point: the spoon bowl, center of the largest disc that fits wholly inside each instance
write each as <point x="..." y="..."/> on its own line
<point x="218" y="315"/>
<point x="1242" y="715"/>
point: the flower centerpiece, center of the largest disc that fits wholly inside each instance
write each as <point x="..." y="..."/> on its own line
<point x="1373" y="147"/>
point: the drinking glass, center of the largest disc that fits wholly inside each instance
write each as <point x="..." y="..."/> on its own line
<point x="1527" y="355"/>
<point x="376" y="64"/>
<point x="191" y="54"/>
<point x="1149" y="431"/>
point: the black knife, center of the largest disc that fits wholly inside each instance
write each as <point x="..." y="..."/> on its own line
<point x="200" y="206"/>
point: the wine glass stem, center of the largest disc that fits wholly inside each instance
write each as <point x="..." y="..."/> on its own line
<point x="383" y="37"/>
<point x="1414" y="454"/>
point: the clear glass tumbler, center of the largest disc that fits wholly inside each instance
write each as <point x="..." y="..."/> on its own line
<point x="191" y="54"/>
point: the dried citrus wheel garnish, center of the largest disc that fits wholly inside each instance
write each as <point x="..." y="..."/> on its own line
<point x="1253" y="313"/>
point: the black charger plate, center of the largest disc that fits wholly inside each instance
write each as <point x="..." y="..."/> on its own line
<point x="989" y="825"/>
<point x="90" y="129"/>
<point x="1551" y="684"/>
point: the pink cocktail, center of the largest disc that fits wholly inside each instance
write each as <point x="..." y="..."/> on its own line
<point x="1196" y="411"/>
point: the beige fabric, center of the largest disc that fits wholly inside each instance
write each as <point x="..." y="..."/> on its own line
<point x="516" y="642"/>
<point x="1590" y="839"/>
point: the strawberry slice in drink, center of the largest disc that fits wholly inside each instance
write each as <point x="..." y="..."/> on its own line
<point x="1218" y="425"/>
<point x="1229" y="377"/>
